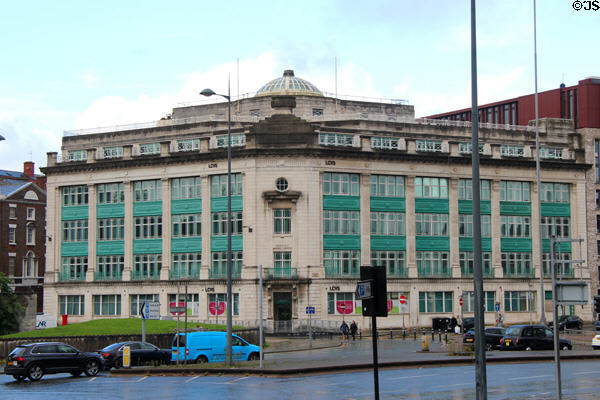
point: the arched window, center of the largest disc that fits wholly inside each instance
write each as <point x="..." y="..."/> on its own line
<point x="30" y="265"/>
<point x="30" y="234"/>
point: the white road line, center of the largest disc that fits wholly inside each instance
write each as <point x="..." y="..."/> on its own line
<point x="413" y="376"/>
<point x="235" y="380"/>
<point x="92" y="379"/>
<point x="192" y="378"/>
<point x="142" y="378"/>
<point x="530" y="377"/>
<point x="455" y="384"/>
<point x="587" y="373"/>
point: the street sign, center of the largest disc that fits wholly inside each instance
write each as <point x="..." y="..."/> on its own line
<point x="460" y="301"/>
<point x="177" y="310"/>
<point x="497" y="307"/>
<point x="364" y="290"/>
<point x="402" y="299"/>
<point x="150" y="310"/>
<point x="310" y="310"/>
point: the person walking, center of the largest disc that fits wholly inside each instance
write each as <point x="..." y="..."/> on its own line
<point x="345" y="330"/>
<point x="353" y="329"/>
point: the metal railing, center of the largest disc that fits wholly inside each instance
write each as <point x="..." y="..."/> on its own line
<point x="150" y="274"/>
<point x="518" y="274"/>
<point x="434" y="272"/>
<point x="341" y="272"/>
<point x="236" y="273"/>
<point x="65" y="276"/>
<point x="178" y="273"/>
<point x="281" y="273"/>
<point x="467" y="124"/>
<point x="111" y="276"/>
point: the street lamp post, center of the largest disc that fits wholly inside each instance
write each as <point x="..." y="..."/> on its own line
<point x="208" y="93"/>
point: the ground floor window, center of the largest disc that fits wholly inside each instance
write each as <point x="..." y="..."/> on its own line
<point x="342" y="304"/>
<point x="136" y="301"/>
<point x="397" y="302"/>
<point x="488" y="301"/>
<point x="519" y="300"/>
<point x="193" y="301"/>
<point x="71" y="305"/>
<point x="435" y="302"/>
<point x="217" y="304"/>
<point x="107" y="304"/>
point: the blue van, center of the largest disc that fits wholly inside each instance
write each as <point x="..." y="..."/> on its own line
<point x="202" y="347"/>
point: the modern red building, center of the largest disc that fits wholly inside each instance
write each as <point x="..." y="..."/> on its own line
<point x="580" y="103"/>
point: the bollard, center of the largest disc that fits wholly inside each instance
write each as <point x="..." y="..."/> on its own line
<point x="391" y="334"/>
<point x="415" y="334"/>
<point x="446" y="338"/>
<point x="425" y="343"/>
<point x="440" y="336"/>
<point x="360" y="335"/>
<point x="432" y="335"/>
<point x="403" y="334"/>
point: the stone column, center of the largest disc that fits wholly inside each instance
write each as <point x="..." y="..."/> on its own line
<point x="453" y="227"/>
<point x="166" y="229"/>
<point x="128" y="225"/>
<point x="206" y="228"/>
<point x="495" y="217"/>
<point x="91" y="232"/>
<point x="411" y="261"/>
<point x="365" y="219"/>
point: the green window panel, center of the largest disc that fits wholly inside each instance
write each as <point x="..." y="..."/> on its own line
<point x="219" y="243"/>
<point x="188" y="206"/>
<point x="111" y="247"/>
<point x="219" y="204"/>
<point x="74" y="212"/>
<point x="186" y="245"/>
<point x="562" y="247"/>
<point x="515" y="208"/>
<point x="556" y="209"/>
<point x="466" y="244"/>
<point x="341" y="242"/>
<point x="147" y="246"/>
<point x="110" y="210"/>
<point x="332" y="202"/>
<point x="429" y="243"/>
<point x="147" y="208"/>
<point x="388" y="204"/>
<point x="466" y="207"/>
<point x="388" y="242"/>
<point x="515" y="245"/>
<point x="432" y="205"/>
<point x="74" y="249"/>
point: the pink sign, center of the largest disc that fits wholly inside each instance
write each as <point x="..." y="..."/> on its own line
<point x="214" y="310"/>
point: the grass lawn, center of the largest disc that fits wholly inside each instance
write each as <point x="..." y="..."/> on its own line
<point x="121" y="326"/>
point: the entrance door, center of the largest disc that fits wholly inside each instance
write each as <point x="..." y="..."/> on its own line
<point x="282" y="311"/>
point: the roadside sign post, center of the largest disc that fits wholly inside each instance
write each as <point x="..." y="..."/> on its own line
<point x="462" y="320"/>
<point x="126" y="357"/>
<point x="310" y="311"/>
<point x="402" y="300"/>
<point x="149" y="310"/>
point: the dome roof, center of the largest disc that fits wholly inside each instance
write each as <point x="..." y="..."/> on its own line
<point x="289" y="84"/>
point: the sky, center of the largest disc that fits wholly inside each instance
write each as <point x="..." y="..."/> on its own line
<point x="70" y="65"/>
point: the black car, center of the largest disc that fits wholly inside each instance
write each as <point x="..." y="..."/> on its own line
<point x="597" y="325"/>
<point x="531" y="337"/>
<point x="568" y="322"/>
<point x="34" y="360"/>
<point x="493" y="336"/>
<point x="140" y="352"/>
<point x="468" y="323"/>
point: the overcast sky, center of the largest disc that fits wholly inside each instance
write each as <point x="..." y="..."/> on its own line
<point x="72" y="64"/>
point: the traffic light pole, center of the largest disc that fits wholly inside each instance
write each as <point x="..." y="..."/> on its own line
<point x="555" y="321"/>
<point x="375" y="359"/>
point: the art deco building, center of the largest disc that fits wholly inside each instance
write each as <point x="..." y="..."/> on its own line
<point x="320" y="186"/>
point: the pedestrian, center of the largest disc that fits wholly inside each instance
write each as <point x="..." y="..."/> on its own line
<point x="345" y="330"/>
<point x="353" y="329"/>
<point x="453" y="323"/>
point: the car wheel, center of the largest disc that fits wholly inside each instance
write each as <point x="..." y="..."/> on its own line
<point x="92" y="367"/>
<point x="253" y="357"/>
<point x="528" y="348"/>
<point x="76" y="373"/>
<point x="580" y="326"/>
<point x="565" y="347"/>
<point x="201" y="360"/>
<point x="118" y="363"/>
<point x="35" y="372"/>
<point x="19" y="378"/>
<point x="488" y="347"/>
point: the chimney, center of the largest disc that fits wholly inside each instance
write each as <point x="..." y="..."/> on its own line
<point x="29" y="169"/>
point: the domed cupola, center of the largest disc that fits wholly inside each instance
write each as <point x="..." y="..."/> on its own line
<point x="288" y="85"/>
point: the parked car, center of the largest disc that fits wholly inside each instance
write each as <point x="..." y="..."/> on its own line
<point x="568" y="322"/>
<point x="140" y="353"/>
<point x="596" y="342"/>
<point x="34" y="360"/>
<point x="468" y="323"/>
<point x="493" y="335"/>
<point x="531" y="337"/>
<point x="202" y="347"/>
<point x="597" y="325"/>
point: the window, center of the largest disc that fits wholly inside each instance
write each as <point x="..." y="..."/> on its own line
<point x="111" y="229"/>
<point x="237" y="140"/>
<point x="429" y="224"/>
<point x="393" y="261"/>
<point x="433" y="264"/>
<point x="12" y="211"/>
<point x="217" y="304"/>
<point x="30" y="234"/>
<point x="30" y="214"/>
<point x="335" y="139"/>
<point x="71" y="305"/>
<point x="255" y="112"/>
<point x="317" y="112"/>
<point x="113" y="152"/>
<point x="341" y="263"/>
<point x="146" y="267"/>
<point x="282" y="260"/>
<point x="186" y="188"/>
<point x="219" y="264"/>
<point x="148" y="227"/>
<point x="597" y="198"/>
<point x="219" y="223"/>
<point x="465" y="189"/>
<point x="555" y="226"/>
<point x="110" y="268"/>
<point x="111" y="193"/>
<point x="341" y="222"/>
<point x="77" y="155"/>
<point x="431" y="188"/>
<point x="281" y="185"/>
<point x="340" y="303"/>
<point x="12" y="234"/>
<point x="511" y="151"/>
<point x="340" y="184"/>
<point x="30" y="265"/>
<point x="186" y="265"/>
<point x="11" y="264"/>
<point x="75" y="195"/>
<point x="73" y="268"/>
<point x="514" y="191"/>
<point x="186" y="225"/>
<point x="515" y="226"/>
<point x="469" y="301"/>
<point x="149" y="148"/>
<point x="147" y="190"/>
<point x="551" y="153"/>
<point x="75" y="231"/>
<point x="107" y="304"/>
<point x="519" y="301"/>
<point x="467" y="148"/>
<point x="465" y="225"/>
<point x="597" y="223"/>
<point x="188" y="145"/>
<point x="554" y="192"/>
<point x="387" y="143"/>
<point x="282" y="220"/>
<point x="563" y="270"/>
<point x="467" y="266"/>
<point x="435" y="302"/>
<point x="219" y="185"/>
<point x="432" y="146"/>
<point x="387" y="223"/>
<point x="387" y="186"/>
<point x="516" y="264"/>
<point x="136" y="301"/>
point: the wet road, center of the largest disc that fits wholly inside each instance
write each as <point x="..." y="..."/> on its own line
<point x="505" y="381"/>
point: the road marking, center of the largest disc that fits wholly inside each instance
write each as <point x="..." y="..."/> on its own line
<point x="235" y="380"/>
<point x="92" y="379"/>
<point x="530" y="377"/>
<point x="142" y="378"/>
<point x="413" y="376"/>
<point x="587" y="373"/>
<point x="192" y="378"/>
<point x="455" y="384"/>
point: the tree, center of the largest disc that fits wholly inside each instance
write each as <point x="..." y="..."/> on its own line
<point x="10" y="309"/>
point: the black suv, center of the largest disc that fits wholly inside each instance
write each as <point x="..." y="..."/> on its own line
<point x="531" y="337"/>
<point x="493" y="336"/>
<point x="34" y="360"/>
<point x="568" y="322"/>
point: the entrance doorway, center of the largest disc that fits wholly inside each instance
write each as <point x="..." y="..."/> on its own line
<point x="282" y="311"/>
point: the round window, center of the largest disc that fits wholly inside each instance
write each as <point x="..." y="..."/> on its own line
<point x="281" y="184"/>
